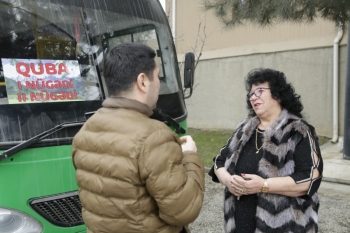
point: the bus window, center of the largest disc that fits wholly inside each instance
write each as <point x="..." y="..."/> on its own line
<point x="3" y="93"/>
<point x="44" y="36"/>
<point x="37" y="39"/>
<point x="145" y="35"/>
<point x="107" y="28"/>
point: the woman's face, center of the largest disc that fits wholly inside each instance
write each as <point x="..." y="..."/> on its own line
<point x="262" y="102"/>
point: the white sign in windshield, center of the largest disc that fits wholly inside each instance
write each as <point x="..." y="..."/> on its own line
<point x="35" y="80"/>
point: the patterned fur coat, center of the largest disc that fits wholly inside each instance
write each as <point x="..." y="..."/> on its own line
<point x="276" y="213"/>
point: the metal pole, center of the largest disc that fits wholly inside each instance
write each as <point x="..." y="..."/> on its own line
<point x="346" y="142"/>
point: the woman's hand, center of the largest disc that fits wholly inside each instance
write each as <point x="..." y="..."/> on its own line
<point x="227" y="179"/>
<point x="246" y="184"/>
<point x="251" y="184"/>
<point x="233" y="189"/>
<point x="233" y="186"/>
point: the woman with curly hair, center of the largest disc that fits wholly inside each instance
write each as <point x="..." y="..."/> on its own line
<point x="271" y="166"/>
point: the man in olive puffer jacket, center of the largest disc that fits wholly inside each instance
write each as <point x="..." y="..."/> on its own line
<point x="134" y="174"/>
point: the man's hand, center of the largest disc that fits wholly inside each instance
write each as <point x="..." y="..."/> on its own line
<point x="188" y="144"/>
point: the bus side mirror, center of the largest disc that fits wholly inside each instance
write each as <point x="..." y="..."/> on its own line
<point x="189" y="73"/>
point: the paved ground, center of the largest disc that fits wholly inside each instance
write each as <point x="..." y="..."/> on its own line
<point x="334" y="212"/>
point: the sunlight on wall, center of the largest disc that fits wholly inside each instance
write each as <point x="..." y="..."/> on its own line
<point x="163" y="3"/>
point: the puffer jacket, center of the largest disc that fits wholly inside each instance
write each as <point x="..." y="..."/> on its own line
<point x="132" y="173"/>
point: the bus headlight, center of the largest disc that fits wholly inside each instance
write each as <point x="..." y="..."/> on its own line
<point x="12" y="221"/>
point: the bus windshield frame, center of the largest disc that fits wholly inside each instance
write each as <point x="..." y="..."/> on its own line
<point x="40" y="32"/>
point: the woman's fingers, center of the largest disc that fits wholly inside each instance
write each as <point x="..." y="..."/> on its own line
<point x="247" y="184"/>
<point x="235" y="191"/>
<point x="238" y="182"/>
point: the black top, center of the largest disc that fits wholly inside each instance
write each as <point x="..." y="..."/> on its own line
<point x="245" y="207"/>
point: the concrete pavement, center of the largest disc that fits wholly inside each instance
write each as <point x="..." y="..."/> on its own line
<point x="334" y="192"/>
<point x="335" y="167"/>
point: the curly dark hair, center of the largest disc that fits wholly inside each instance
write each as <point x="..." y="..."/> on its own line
<point x="280" y="89"/>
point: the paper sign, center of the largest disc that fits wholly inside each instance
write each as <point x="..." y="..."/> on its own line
<point x="35" y="81"/>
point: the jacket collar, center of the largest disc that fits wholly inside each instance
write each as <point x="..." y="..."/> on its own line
<point x="246" y="129"/>
<point x="281" y="120"/>
<point x="120" y="102"/>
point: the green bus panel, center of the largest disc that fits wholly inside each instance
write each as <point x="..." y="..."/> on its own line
<point x="37" y="172"/>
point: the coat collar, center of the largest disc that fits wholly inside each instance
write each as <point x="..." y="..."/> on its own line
<point x="246" y="129"/>
<point x="120" y="102"/>
<point x="281" y="120"/>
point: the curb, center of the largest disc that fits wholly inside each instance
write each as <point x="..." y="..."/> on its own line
<point x="335" y="180"/>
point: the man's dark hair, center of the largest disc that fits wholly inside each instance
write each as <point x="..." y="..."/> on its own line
<point x="280" y="89"/>
<point x="124" y="63"/>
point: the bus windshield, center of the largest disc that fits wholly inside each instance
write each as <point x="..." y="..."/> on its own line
<point x="52" y="54"/>
<point x="52" y="80"/>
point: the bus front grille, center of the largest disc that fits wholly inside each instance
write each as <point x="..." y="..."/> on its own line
<point x="62" y="210"/>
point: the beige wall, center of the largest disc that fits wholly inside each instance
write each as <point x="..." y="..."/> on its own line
<point x="218" y="100"/>
<point x="245" y="39"/>
<point x="303" y="52"/>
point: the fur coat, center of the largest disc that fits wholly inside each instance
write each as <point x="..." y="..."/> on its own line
<point x="276" y="213"/>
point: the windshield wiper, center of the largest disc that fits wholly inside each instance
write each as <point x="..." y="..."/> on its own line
<point x="171" y="121"/>
<point x="37" y="138"/>
<point x="166" y="117"/>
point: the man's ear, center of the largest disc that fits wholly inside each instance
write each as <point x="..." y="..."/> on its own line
<point x="141" y="82"/>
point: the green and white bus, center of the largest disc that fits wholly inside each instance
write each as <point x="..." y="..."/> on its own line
<point x="51" y="81"/>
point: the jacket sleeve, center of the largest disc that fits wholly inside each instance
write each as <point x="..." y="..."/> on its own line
<point x="174" y="179"/>
<point x="305" y="163"/>
<point x="225" y="153"/>
<point x="219" y="161"/>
